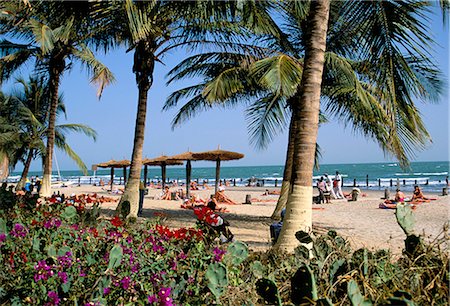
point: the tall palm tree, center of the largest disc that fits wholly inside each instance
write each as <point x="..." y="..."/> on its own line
<point x="151" y="30"/>
<point x="356" y="91"/>
<point x="27" y="108"/>
<point x="53" y="33"/>
<point x="306" y="112"/>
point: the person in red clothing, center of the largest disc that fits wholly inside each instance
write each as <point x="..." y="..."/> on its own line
<point x="207" y="215"/>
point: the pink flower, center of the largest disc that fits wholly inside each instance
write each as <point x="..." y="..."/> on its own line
<point x="152" y="299"/>
<point x="106" y="291"/>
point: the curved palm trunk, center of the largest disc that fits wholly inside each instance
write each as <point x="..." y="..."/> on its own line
<point x="287" y="175"/>
<point x="26" y="169"/>
<point x="56" y="69"/>
<point x="143" y="68"/>
<point x="299" y="205"/>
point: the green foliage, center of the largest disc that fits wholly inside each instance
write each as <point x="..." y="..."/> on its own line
<point x="111" y="262"/>
<point x="355" y="296"/>
<point x="268" y="290"/>
<point x="405" y="218"/>
<point x="237" y="252"/>
<point x="216" y="274"/>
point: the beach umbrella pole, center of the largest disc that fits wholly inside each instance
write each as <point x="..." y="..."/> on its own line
<point x="112" y="177"/>
<point x="188" y="179"/>
<point x="217" y="175"/>
<point x="145" y="175"/>
<point x="124" y="175"/>
<point x="163" y="175"/>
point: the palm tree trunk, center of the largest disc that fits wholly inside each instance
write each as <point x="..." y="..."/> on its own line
<point x="306" y="111"/>
<point x="287" y="175"/>
<point x="26" y="169"/>
<point x="56" y="68"/>
<point x="143" y="68"/>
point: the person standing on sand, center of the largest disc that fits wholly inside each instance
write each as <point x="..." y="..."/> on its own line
<point x="338" y="190"/>
<point x="329" y="185"/>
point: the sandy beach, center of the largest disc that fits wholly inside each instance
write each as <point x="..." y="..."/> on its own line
<point x="361" y="222"/>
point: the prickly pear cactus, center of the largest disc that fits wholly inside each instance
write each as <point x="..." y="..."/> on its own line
<point x="115" y="257"/>
<point x="257" y="269"/>
<point x="303" y="285"/>
<point x="355" y="296"/>
<point x="69" y="213"/>
<point x="237" y="252"/>
<point x="268" y="290"/>
<point x="216" y="274"/>
<point x="405" y="218"/>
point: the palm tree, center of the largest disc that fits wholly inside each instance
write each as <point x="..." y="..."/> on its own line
<point x="52" y="33"/>
<point x="152" y="29"/>
<point x="27" y="109"/>
<point x="354" y="88"/>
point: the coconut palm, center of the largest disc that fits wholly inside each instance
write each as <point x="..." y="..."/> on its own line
<point x="27" y="109"/>
<point x="53" y="34"/>
<point x="152" y="29"/>
<point x="353" y="87"/>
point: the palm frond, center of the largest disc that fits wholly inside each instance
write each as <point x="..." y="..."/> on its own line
<point x="266" y="118"/>
<point x="101" y="75"/>
<point x="79" y="128"/>
<point x="280" y="74"/>
<point x="43" y="36"/>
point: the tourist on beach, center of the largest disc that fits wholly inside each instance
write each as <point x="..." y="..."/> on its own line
<point x="166" y="194"/>
<point x="399" y="196"/>
<point x="141" y="197"/>
<point x="417" y="194"/>
<point x="219" y="224"/>
<point x="329" y="185"/>
<point x="337" y="184"/>
<point x="321" y="185"/>
<point x="38" y="184"/>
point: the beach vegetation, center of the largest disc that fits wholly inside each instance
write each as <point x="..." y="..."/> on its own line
<point x="23" y="114"/>
<point x="68" y="253"/>
<point x="53" y="34"/>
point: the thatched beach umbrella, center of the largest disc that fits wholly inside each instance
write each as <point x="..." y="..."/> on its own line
<point x="217" y="156"/>
<point x="162" y="161"/>
<point x="115" y="164"/>
<point x="187" y="156"/>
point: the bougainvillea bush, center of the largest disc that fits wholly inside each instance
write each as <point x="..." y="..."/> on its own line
<point x="60" y="254"/>
<point x="55" y="255"/>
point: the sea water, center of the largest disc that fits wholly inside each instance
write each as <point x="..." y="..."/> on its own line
<point x="431" y="176"/>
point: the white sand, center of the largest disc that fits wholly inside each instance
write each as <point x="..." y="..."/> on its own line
<point x="361" y="222"/>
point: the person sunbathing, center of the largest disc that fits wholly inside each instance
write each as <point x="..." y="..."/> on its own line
<point x="222" y="198"/>
<point x="167" y="194"/>
<point x="273" y="192"/>
<point x="193" y="185"/>
<point x="399" y="196"/>
<point x="417" y="194"/>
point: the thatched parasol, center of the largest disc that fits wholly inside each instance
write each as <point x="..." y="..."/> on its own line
<point x="162" y="161"/>
<point x="217" y="156"/>
<point x="115" y="164"/>
<point x="187" y="156"/>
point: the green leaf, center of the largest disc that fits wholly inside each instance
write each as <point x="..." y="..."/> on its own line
<point x="355" y="296"/>
<point x="51" y="251"/>
<point x="237" y="252"/>
<point x="69" y="213"/>
<point x="115" y="256"/>
<point x="3" y="229"/>
<point x="63" y="250"/>
<point x="216" y="274"/>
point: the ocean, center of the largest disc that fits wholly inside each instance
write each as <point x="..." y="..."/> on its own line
<point x="431" y="176"/>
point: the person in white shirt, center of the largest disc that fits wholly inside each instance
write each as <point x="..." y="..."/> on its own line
<point x="329" y="185"/>
<point x="338" y="191"/>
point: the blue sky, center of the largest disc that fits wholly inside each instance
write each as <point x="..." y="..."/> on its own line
<point x="113" y="118"/>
